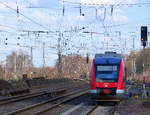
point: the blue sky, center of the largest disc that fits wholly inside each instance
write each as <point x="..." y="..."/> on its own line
<point x="123" y="24"/>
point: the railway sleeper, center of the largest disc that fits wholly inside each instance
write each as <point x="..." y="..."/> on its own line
<point x="56" y="93"/>
<point x="12" y="92"/>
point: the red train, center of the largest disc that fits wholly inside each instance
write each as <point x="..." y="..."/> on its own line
<point x="107" y="76"/>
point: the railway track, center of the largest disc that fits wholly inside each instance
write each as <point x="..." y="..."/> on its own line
<point x="51" y="92"/>
<point x="91" y="110"/>
<point x="106" y="110"/>
<point x="48" y="105"/>
<point x="28" y="96"/>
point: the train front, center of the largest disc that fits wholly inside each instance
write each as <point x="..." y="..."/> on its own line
<point x="107" y="76"/>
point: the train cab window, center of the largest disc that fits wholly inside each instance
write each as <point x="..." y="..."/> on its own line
<point x="107" y="72"/>
<point x="106" y="68"/>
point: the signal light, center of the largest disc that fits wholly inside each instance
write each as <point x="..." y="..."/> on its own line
<point x="142" y="39"/>
<point x="143" y="33"/>
<point x="144" y="36"/>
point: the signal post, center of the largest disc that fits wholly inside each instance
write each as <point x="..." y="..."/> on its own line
<point x="144" y="43"/>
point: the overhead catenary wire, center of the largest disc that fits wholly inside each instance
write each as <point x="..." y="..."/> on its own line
<point x="105" y="4"/>
<point x="102" y="21"/>
<point x="19" y="13"/>
<point x="10" y="27"/>
<point x="27" y="46"/>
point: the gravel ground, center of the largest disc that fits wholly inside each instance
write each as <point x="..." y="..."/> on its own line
<point x="78" y="106"/>
<point x="58" y="85"/>
<point x="132" y="107"/>
<point x="102" y="110"/>
<point x="25" y="103"/>
<point x="22" y="104"/>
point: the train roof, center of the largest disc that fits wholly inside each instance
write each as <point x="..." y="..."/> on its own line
<point x="109" y="54"/>
<point x="108" y="58"/>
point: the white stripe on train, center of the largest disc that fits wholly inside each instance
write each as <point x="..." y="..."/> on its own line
<point x="117" y="91"/>
<point x="120" y="91"/>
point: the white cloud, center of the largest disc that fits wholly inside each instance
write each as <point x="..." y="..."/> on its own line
<point x="12" y="5"/>
<point x="55" y="21"/>
<point x="44" y="18"/>
<point x="4" y="28"/>
<point x="120" y="18"/>
<point x="2" y="7"/>
<point x="33" y="2"/>
<point x="131" y="1"/>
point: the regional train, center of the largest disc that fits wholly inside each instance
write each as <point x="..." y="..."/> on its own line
<point x="107" y="75"/>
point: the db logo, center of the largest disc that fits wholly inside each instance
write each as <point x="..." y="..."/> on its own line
<point x="105" y="85"/>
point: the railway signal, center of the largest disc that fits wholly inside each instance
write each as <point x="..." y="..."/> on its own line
<point x="144" y="36"/>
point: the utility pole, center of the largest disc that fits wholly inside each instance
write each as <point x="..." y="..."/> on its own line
<point x="59" y="56"/>
<point x="31" y="63"/>
<point x="43" y="54"/>
<point x="133" y="43"/>
<point x="144" y="94"/>
<point x="31" y="55"/>
<point x="119" y="33"/>
<point x="44" y="59"/>
<point x="15" y="66"/>
<point x="133" y="58"/>
<point x="125" y="46"/>
<point x="120" y="41"/>
<point x="144" y="31"/>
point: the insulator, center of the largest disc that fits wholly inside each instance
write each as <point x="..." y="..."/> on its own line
<point x="17" y="11"/>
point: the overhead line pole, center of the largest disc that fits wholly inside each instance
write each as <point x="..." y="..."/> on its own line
<point x="43" y="54"/>
<point x="59" y="56"/>
<point x="44" y="59"/>
<point x="31" y="54"/>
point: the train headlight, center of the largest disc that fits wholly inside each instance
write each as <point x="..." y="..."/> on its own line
<point x="99" y="80"/>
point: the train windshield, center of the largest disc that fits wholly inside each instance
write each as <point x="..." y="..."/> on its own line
<point x="107" y="71"/>
<point x="106" y="68"/>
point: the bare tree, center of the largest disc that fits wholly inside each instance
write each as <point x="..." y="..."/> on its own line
<point x="73" y="66"/>
<point x="143" y="60"/>
<point x="18" y="63"/>
<point x="2" y="71"/>
<point x="142" y="64"/>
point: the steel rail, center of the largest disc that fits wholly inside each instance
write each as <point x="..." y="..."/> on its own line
<point x="91" y="110"/>
<point x="74" y="96"/>
<point x="20" y="98"/>
<point x="26" y="109"/>
<point x="28" y="96"/>
<point x="111" y="112"/>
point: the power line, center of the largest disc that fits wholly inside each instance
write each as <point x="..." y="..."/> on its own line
<point x="8" y="26"/>
<point x="23" y="15"/>
<point x="102" y="21"/>
<point x="105" y="4"/>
